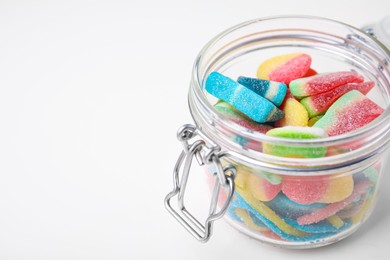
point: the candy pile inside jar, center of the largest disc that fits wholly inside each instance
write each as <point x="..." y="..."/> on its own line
<point x="288" y="99"/>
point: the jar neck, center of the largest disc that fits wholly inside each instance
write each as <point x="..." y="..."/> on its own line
<point x="323" y="36"/>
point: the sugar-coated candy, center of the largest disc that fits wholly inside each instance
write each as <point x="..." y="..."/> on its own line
<point x="286" y="228"/>
<point x="288" y="208"/>
<point x="317" y="189"/>
<point x="295" y="132"/>
<point x="295" y="114"/>
<point x="318" y="104"/>
<point x="325" y="212"/>
<point x="262" y="189"/>
<point x="351" y="111"/>
<point x="271" y="90"/>
<point x="239" y="118"/>
<point x="244" y="199"/>
<point x="285" y="68"/>
<point x="320" y="83"/>
<point x="338" y="189"/>
<point x="307" y="190"/>
<point x="243" y="99"/>
<point x="322" y="227"/>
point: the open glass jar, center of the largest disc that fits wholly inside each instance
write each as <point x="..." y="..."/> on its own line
<point x="318" y="201"/>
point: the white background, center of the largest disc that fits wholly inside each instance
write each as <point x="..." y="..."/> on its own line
<point x="91" y="96"/>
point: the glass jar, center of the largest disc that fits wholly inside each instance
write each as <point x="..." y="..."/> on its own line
<point x="285" y="201"/>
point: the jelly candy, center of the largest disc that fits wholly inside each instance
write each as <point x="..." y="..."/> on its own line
<point x="317" y="189"/>
<point x="339" y="188"/>
<point x="320" y="83"/>
<point x="239" y="118"/>
<point x="306" y="190"/>
<point x="271" y="90"/>
<point x="351" y="111"/>
<point x="333" y="208"/>
<point x="295" y="114"/>
<point x="295" y="132"/>
<point x="243" y="99"/>
<point x="261" y="189"/>
<point x="318" y="104"/>
<point x="285" y="68"/>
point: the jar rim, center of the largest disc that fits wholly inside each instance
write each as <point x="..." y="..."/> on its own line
<point x="380" y="125"/>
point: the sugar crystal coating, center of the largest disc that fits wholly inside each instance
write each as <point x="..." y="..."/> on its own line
<point x="308" y="190"/>
<point x="295" y="114"/>
<point x="339" y="188"/>
<point x="271" y="90"/>
<point x="320" y="83"/>
<point x="295" y="132"/>
<point x="261" y="188"/>
<point x="333" y="208"/>
<point x="239" y="118"/>
<point x="285" y="68"/>
<point x="243" y="99"/>
<point x="318" y="104"/>
<point x="350" y="112"/>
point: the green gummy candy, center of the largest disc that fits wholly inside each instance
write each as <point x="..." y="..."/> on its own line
<point x="296" y="132"/>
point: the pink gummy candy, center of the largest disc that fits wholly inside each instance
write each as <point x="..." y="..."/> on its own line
<point x="320" y="83"/>
<point x="307" y="190"/>
<point x="333" y="208"/>
<point x="318" y="104"/>
<point x="351" y="111"/>
<point x="285" y="68"/>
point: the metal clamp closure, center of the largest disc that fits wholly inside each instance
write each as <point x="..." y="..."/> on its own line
<point x="224" y="176"/>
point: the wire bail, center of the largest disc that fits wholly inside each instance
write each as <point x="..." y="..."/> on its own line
<point x="205" y="155"/>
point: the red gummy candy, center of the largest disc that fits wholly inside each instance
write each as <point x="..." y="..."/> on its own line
<point x="333" y="208"/>
<point x="305" y="190"/>
<point x="351" y="111"/>
<point x="320" y="83"/>
<point x="318" y="104"/>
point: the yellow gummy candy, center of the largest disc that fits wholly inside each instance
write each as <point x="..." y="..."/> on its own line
<point x="295" y="114"/>
<point x="339" y="188"/>
<point x="336" y="221"/>
<point x="241" y="179"/>
<point x="362" y="213"/>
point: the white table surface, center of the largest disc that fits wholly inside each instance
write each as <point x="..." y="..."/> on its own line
<point x="91" y="96"/>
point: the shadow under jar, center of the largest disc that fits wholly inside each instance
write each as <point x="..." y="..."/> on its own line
<point x="347" y="177"/>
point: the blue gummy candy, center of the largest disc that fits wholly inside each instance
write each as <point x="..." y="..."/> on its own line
<point x="240" y="202"/>
<point x="271" y="90"/>
<point x="287" y="208"/>
<point x="242" y="98"/>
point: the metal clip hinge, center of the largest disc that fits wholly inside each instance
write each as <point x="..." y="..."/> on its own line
<point x="224" y="176"/>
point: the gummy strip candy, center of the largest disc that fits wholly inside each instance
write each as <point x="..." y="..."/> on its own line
<point x="243" y="99"/>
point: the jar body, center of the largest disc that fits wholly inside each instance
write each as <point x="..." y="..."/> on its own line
<point x="302" y="211"/>
<point x="296" y="202"/>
